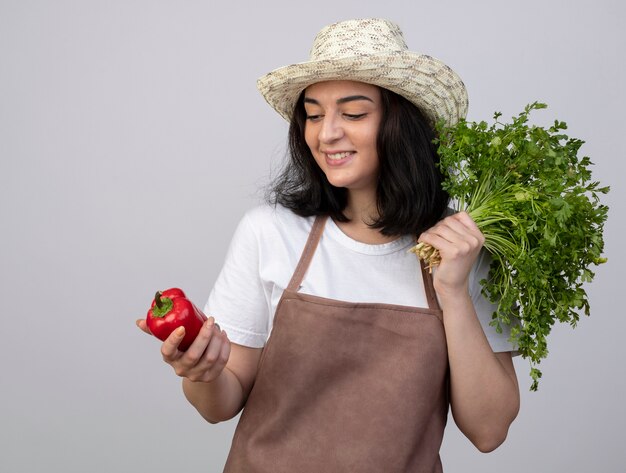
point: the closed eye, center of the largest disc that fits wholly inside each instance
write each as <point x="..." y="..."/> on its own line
<point x="351" y="116"/>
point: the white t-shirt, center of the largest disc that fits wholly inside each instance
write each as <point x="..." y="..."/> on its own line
<point x="265" y="251"/>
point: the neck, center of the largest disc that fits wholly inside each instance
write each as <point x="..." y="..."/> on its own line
<point x="361" y="207"/>
<point x="361" y="210"/>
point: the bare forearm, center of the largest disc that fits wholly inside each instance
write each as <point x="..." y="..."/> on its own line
<point x="484" y="391"/>
<point x="218" y="400"/>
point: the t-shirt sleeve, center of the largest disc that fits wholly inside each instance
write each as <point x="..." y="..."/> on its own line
<point x="237" y="300"/>
<point x="484" y="308"/>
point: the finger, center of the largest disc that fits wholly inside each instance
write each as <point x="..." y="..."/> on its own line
<point x="466" y="219"/>
<point x="141" y="323"/>
<point x="441" y="234"/>
<point x="169" y="348"/>
<point x="212" y="353"/>
<point x="199" y="345"/>
<point x="467" y="230"/>
<point x="458" y="233"/>
<point x="218" y="361"/>
<point x="450" y="231"/>
<point x="450" y="243"/>
<point x="468" y="223"/>
<point x="435" y="240"/>
<point x="212" y="362"/>
<point x="460" y="221"/>
<point x="225" y="347"/>
<point x="458" y="229"/>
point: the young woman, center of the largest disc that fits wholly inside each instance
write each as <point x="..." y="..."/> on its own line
<point x="342" y="350"/>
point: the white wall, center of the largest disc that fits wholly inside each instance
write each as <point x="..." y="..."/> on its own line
<point x="132" y="139"/>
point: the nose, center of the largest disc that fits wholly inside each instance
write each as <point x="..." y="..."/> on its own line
<point x="331" y="129"/>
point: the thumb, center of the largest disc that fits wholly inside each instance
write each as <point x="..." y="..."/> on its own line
<point x="141" y="323"/>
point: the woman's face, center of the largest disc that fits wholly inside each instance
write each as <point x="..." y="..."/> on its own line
<point x="341" y="129"/>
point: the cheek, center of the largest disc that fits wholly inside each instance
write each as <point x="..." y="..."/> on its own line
<point x="309" y="136"/>
<point x="368" y="142"/>
<point x="312" y="145"/>
<point x="311" y="141"/>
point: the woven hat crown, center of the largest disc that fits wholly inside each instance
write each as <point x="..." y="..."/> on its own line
<point x="357" y="38"/>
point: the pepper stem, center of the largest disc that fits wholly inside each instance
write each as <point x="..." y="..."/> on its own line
<point x="157" y="299"/>
<point x="162" y="305"/>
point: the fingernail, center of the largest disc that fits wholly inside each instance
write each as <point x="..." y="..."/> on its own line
<point x="180" y="331"/>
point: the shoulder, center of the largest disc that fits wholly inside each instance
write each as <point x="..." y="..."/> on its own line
<point x="274" y="225"/>
<point x="268" y="217"/>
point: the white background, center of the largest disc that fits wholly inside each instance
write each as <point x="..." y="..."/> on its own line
<point x="132" y="139"/>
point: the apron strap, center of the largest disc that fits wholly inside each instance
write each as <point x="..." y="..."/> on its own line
<point x="307" y="253"/>
<point x="431" y="295"/>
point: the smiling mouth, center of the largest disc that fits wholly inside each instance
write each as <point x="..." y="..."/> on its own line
<point x="338" y="156"/>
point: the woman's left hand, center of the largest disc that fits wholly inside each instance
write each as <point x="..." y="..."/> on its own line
<point x="459" y="241"/>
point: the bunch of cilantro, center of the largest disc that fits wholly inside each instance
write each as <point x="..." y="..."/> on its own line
<point x="540" y="212"/>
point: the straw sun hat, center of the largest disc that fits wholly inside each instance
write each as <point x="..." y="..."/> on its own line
<point x="371" y="51"/>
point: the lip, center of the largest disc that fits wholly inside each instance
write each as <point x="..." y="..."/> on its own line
<point x="338" y="162"/>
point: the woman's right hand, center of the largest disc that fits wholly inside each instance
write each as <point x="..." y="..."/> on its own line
<point x="204" y="360"/>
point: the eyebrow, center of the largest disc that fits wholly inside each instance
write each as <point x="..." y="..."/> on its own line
<point x="350" y="98"/>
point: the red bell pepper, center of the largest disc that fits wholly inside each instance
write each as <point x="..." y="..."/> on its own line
<point x="169" y="310"/>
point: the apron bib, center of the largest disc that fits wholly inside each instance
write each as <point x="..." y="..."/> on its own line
<point x="345" y="386"/>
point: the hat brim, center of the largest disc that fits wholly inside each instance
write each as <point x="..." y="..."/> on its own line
<point x="425" y="81"/>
